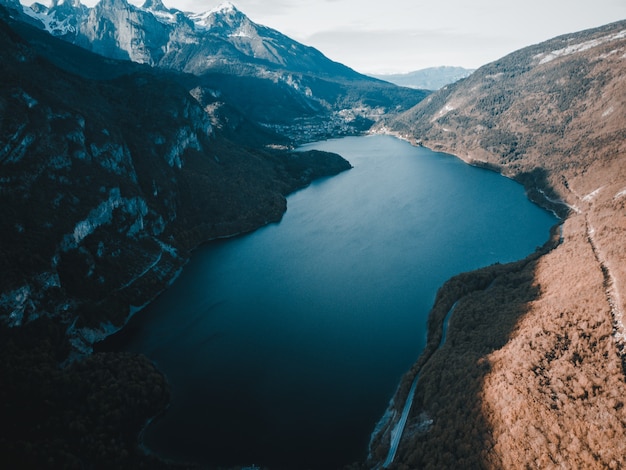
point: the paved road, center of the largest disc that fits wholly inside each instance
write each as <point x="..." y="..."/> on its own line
<point x="398" y="429"/>
<point x="396" y="433"/>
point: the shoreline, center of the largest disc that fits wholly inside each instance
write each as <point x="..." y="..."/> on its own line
<point x="107" y="335"/>
<point x="391" y="418"/>
<point x="245" y="232"/>
<point x="488" y="412"/>
<point x="559" y="208"/>
<point x="449" y="295"/>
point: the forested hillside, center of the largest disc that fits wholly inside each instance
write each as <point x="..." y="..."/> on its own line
<point x="106" y="185"/>
<point x="532" y="372"/>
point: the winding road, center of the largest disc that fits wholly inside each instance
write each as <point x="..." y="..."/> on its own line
<point x="398" y="429"/>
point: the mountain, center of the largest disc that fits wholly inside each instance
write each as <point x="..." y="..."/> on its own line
<point x="272" y="79"/>
<point x="128" y="137"/>
<point x="432" y="78"/>
<point x="196" y="43"/>
<point x="532" y="373"/>
<point x="136" y="168"/>
<point x="131" y="135"/>
<point x="106" y="186"/>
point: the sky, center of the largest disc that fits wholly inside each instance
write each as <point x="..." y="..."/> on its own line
<point x="399" y="36"/>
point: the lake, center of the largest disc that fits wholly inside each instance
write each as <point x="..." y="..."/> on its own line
<point x="284" y="346"/>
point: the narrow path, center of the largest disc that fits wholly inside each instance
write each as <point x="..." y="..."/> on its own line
<point x="612" y="296"/>
<point x="610" y="286"/>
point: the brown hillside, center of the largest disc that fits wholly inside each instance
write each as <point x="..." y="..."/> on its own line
<point x="532" y="372"/>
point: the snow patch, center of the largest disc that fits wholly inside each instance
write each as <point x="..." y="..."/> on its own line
<point x="240" y="34"/>
<point x="201" y="20"/>
<point x="608" y="111"/>
<point x="620" y="194"/>
<point x="204" y="21"/>
<point x="103" y="214"/>
<point x="608" y="54"/>
<point x="589" y="197"/>
<point x="546" y="57"/>
<point x="52" y="24"/>
<point x="16" y="302"/>
<point x="495" y="76"/>
<point x="443" y="111"/>
<point x="223" y="8"/>
<point x="164" y="16"/>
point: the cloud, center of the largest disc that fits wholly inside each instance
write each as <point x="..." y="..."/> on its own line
<point x="396" y="35"/>
<point x="382" y="51"/>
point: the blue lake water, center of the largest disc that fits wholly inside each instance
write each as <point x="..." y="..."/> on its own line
<point x="284" y="346"/>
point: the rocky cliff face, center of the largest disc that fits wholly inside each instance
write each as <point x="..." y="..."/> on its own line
<point x="107" y="185"/>
<point x="532" y="373"/>
<point x="113" y="167"/>
<point x="192" y="42"/>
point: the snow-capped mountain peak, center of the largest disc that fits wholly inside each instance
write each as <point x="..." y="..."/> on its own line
<point x="161" y="12"/>
<point x="67" y="3"/>
<point x="224" y="8"/>
<point x="224" y="17"/>
<point x="154" y="5"/>
<point x="154" y="34"/>
<point x="62" y="18"/>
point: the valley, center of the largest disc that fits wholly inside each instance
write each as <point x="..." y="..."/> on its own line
<point x="130" y="136"/>
<point x="354" y="265"/>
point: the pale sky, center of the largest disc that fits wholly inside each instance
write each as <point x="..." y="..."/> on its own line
<point x="396" y="36"/>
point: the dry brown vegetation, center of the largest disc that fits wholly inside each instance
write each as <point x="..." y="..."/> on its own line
<point x="532" y="373"/>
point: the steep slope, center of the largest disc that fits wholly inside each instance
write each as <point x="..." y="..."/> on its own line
<point x="252" y="66"/>
<point x="532" y="372"/>
<point x="196" y="43"/>
<point x="106" y="186"/>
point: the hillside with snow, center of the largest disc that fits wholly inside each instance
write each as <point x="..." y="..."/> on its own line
<point x="536" y="377"/>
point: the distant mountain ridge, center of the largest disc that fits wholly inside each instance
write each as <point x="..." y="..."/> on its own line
<point x="432" y="78"/>
<point x="280" y="83"/>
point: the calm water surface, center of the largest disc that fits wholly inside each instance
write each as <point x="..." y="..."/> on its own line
<point x="284" y="346"/>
